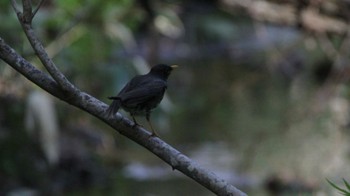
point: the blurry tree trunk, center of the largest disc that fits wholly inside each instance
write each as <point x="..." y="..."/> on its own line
<point x="58" y="85"/>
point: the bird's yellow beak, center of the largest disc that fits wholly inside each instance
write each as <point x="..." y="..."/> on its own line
<point x="174" y="66"/>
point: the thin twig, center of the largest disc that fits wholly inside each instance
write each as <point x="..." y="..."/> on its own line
<point x="47" y="61"/>
<point x="15" y="7"/>
<point x="38" y="7"/>
<point x="39" y="49"/>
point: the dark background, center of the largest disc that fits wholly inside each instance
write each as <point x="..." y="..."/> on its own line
<point x="261" y="96"/>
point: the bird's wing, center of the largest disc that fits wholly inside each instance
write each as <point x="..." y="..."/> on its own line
<point x="143" y="92"/>
<point x="130" y="85"/>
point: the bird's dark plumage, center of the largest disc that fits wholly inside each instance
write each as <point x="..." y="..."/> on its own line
<point x="143" y="93"/>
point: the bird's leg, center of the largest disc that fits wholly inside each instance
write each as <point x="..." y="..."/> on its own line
<point x="134" y="119"/>
<point x="154" y="133"/>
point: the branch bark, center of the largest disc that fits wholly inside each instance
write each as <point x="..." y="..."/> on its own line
<point x="90" y="104"/>
<point x="25" y="19"/>
<point x="61" y="88"/>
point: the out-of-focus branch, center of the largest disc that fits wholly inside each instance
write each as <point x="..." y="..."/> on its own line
<point x="313" y="21"/>
<point x="287" y="14"/>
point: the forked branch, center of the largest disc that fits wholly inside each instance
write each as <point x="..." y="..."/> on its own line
<point x="25" y="19"/>
<point x="61" y="88"/>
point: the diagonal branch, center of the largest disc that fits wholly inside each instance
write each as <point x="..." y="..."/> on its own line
<point x="15" y="7"/>
<point x="38" y="7"/>
<point x="61" y="88"/>
<point x="25" y="19"/>
<point x="95" y="107"/>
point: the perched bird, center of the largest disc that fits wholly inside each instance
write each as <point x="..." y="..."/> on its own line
<point x="142" y="93"/>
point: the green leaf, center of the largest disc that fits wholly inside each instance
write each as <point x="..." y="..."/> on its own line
<point x="346" y="184"/>
<point x="343" y="191"/>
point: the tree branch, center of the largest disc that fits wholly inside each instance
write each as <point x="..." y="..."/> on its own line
<point x="288" y="14"/>
<point x="38" y="7"/>
<point x="90" y="104"/>
<point x="61" y="88"/>
<point x="15" y="7"/>
<point x="25" y="19"/>
<point x="27" y="11"/>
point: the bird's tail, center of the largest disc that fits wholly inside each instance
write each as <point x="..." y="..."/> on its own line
<point x="114" y="107"/>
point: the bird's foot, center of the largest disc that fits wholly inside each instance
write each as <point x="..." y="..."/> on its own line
<point x="154" y="134"/>
<point x="135" y="125"/>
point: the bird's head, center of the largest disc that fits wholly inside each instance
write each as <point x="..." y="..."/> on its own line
<point x="162" y="70"/>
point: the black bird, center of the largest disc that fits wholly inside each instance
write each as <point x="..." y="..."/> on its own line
<point x="142" y="93"/>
